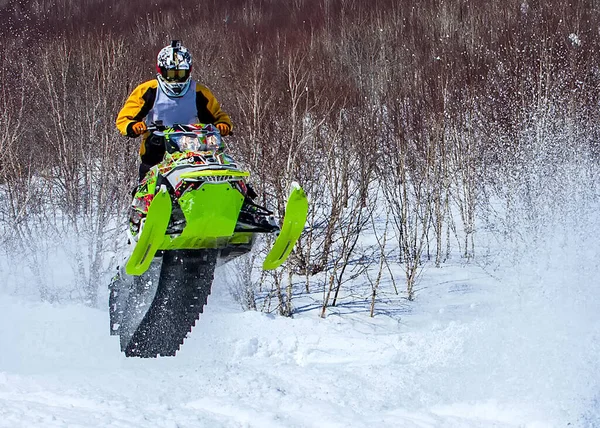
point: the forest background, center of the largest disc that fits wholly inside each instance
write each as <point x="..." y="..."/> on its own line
<point x="413" y="123"/>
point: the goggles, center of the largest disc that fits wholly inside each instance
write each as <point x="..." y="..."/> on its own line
<point x="175" y="75"/>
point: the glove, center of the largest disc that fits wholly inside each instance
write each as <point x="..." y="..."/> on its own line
<point x="138" y="128"/>
<point x="223" y="128"/>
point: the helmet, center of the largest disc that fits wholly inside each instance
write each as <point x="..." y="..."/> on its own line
<point x="174" y="65"/>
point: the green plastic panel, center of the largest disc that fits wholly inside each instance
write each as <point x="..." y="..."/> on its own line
<point x="211" y="213"/>
<point x="215" y="173"/>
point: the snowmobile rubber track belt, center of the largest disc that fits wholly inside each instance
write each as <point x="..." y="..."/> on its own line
<point x="185" y="283"/>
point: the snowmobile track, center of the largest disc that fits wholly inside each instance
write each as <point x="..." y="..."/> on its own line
<point x="184" y="285"/>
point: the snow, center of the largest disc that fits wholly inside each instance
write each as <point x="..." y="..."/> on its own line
<point x="236" y="369"/>
<point x="509" y="339"/>
<point x="467" y="354"/>
<point x="574" y="39"/>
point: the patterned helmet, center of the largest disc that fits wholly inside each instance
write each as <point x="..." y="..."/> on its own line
<point x="174" y="65"/>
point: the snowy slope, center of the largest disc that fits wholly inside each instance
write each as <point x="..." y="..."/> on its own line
<point x="455" y="359"/>
<point x="237" y="369"/>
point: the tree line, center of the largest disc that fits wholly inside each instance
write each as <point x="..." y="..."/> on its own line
<point x="402" y="120"/>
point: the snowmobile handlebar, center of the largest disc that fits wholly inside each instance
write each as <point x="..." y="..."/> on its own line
<point x="158" y="126"/>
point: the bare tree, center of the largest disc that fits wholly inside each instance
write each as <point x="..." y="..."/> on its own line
<point x="85" y="172"/>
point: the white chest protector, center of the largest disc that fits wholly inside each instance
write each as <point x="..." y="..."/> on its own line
<point x="173" y="110"/>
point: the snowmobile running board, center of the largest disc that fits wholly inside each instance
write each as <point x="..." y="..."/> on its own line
<point x="210" y="228"/>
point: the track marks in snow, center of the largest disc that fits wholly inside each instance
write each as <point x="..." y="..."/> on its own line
<point x="236" y="370"/>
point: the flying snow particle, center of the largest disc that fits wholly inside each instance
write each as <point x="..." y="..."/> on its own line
<point x="524" y="7"/>
<point x="575" y="41"/>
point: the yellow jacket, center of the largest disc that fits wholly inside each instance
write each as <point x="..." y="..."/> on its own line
<point x="141" y="102"/>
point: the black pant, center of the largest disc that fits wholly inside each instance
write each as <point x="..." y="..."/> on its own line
<point x="144" y="168"/>
<point x="153" y="154"/>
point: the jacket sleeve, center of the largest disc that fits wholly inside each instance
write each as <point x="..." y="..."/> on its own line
<point x="209" y="109"/>
<point x="136" y="107"/>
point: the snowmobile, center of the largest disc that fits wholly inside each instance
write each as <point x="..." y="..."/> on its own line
<point x="189" y="213"/>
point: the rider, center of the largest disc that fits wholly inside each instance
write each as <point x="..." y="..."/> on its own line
<point x="168" y="98"/>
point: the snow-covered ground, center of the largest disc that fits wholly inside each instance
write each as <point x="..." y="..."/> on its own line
<point x="510" y="339"/>
<point x="472" y="351"/>
<point x="60" y="368"/>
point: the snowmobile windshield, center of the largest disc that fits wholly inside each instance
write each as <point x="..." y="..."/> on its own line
<point x="196" y="142"/>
